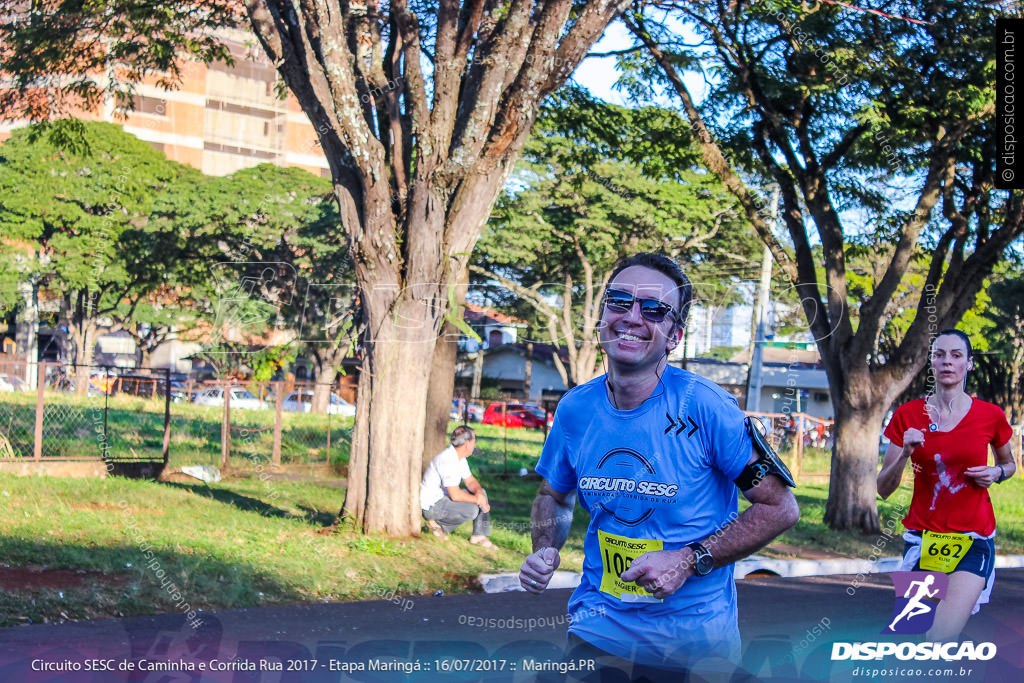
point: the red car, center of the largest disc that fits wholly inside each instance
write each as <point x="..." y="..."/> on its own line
<point x="514" y="415"/>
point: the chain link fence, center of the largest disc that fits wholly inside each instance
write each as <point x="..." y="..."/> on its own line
<point x="140" y="421"/>
<point x="144" y="420"/>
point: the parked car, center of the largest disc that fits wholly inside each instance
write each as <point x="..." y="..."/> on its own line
<point x="240" y="398"/>
<point x="301" y="402"/>
<point x="12" y="383"/>
<point x="542" y="414"/>
<point x="514" y="415"/>
<point x="179" y="391"/>
<point x="475" y="411"/>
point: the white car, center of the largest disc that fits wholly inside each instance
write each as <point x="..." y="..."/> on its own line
<point x="300" y="402"/>
<point x="240" y="398"/>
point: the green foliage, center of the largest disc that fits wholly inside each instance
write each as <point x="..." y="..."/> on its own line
<point x="282" y="236"/>
<point x="582" y="132"/>
<point x="157" y="246"/>
<point x="266" y="362"/>
<point x="1000" y="365"/>
<point x="819" y="95"/>
<point x="606" y="182"/>
<point x="848" y="111"/>
<point x="77" y="223"/>
<point x="721" y="352"/>
<point x="864" y="271"/>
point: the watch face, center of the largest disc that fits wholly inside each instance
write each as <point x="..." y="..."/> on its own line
<point x="703" y="561"/>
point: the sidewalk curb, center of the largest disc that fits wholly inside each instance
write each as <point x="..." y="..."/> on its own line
<point x="501" y="583"/>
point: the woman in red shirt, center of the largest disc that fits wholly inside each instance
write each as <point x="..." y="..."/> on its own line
<point x="950" y="525"/>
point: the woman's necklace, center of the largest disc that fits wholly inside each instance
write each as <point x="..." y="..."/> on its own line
<point x="936" y="421"/>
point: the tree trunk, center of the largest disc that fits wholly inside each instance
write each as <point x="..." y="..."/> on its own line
<point x="84" y="341"/>
<point x="326" y="374"/>
<point x="852" y="492"/>
<point x="439" y="393"/>
<point x="528" y="371"/>
<point x="442" y="378"/>
<point x="478" y="373"/>
<point x="322" y="389"/>
<point x="27" y="331"/>
<point x="416" y="177"/>
<point x="146" y="356"/>
<point x="384" y="471"/>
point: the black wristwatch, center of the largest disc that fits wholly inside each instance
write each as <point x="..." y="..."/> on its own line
<point x="1002" y="474"/>
<point x="703" y="560"/>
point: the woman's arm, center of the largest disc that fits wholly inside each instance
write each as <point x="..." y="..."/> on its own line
<point x="895" y="461"/>
<point x="891" y="474"/>
<point x="986" y="475"/>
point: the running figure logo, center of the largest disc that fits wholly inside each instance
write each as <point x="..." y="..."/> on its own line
<point x="914" y="613"/>
<point x="945" y="480"/>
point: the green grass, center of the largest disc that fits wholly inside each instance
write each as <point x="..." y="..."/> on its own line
<point x="813" y="461"/>
<point x="242" y="543"/>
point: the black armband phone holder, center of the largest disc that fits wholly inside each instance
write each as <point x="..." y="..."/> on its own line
<point x="768" y="462"/>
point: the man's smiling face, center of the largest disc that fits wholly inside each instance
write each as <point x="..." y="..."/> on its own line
<point x="630" y="340"/>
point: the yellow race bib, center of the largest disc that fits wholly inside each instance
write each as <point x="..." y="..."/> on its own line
<point x="943" y="552"/>
<point x="617" y="553"/>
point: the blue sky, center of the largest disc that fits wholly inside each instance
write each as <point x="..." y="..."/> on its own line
<point x="598" y="74"/>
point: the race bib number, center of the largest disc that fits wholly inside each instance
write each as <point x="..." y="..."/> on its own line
<point x="943" y="552"/>
<point x="617" y="554"/>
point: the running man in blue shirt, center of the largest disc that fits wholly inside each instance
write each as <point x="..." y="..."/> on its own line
<point x="655" y="455"/>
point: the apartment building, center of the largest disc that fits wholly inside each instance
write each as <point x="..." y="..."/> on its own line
<point x="223" y="118"/>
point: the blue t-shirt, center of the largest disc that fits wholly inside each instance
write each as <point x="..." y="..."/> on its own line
<point x="655" y="477"/>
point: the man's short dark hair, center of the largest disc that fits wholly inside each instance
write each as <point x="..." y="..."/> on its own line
<point x="663" y="264"/>
<point x="461" y="435"/>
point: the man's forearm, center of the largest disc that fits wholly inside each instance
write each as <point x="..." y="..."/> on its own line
<point x="462" y="496"/>
<point x="550" y="520"/>
<point x="752" y="529"/>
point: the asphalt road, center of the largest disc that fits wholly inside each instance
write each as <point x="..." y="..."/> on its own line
<point x="788" y="626"/>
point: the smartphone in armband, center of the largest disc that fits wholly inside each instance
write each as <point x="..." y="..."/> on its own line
<point x="767" y="462"/>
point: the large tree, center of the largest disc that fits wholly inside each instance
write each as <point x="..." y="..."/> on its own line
<point x="598" y="182"/>
<point x="866" y="122"/>
<point x="421" y="111"/>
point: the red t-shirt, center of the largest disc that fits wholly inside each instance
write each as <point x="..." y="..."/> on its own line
<point x="945" y="499"/>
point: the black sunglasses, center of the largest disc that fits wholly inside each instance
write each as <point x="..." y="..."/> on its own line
<point x="621" y="301"/>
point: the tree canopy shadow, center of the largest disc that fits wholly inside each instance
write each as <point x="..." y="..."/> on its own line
<point x="58" y="581"/>
<point x="244" y="503"/>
